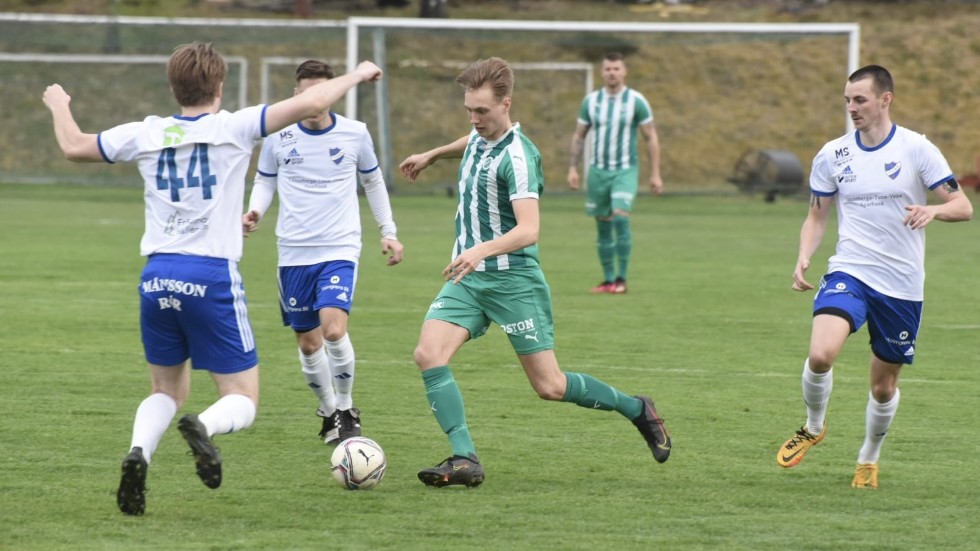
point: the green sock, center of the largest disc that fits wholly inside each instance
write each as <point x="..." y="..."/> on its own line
<point x="607" y="248"/>
<point x="624" y="245"/>
<point x="446" y="403"/>
<point x="589" y="392"/>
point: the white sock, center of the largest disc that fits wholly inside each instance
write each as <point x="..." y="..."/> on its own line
<point x="816" y="394"/>
<point x="877" y="419"/>
<point x="230" y="413"/>
<point x="340" y="355"/>
<point x="316" y="369"/>
<point x="153" y="416"/>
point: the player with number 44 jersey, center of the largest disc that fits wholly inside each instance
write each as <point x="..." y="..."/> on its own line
<point x="192" y="303"/>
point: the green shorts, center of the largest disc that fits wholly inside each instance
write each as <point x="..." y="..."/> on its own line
<point x="518" y="300"/>
<point x="609" y="190"/>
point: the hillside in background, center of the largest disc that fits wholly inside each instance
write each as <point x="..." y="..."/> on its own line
<point x="708" y="97"/>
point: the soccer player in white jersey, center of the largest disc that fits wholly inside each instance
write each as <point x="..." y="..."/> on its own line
<point x="494" y="277"/>
<point x="878" y="177"/>
<point x="192" y="303"/>
<point x="315" y="165"/>
<point x="615" y="113"/>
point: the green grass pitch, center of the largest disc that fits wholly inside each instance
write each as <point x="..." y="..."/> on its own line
<point x="710" y="329"/>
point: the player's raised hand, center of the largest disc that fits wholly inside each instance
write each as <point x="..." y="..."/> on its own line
<point x="55" y="94"/>
<point x="368" y="71"/>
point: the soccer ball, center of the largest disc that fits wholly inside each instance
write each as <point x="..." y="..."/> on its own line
<point x="358" y="463"/>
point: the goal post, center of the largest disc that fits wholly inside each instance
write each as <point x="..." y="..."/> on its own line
<point x="702" y="79"/>
<point x="355" y="24"/>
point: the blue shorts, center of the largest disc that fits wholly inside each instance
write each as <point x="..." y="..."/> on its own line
<point x="892" y="323"/>
<point x="305" y="290"/>
<point x="194" y="307"/>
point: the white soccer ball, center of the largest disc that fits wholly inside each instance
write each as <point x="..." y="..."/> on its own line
<point x="358" y="463"/>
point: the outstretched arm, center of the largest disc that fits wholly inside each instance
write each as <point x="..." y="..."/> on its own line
<point x="414" y="164"/>
<point x="75" y="145"/>
<point x="317" y="99"/>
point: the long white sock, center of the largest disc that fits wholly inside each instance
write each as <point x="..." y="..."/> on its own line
<point x="877" y="419"/>
<point x="231" y="413"/>
<point x="316" y="369"/>
<point x="340" y="355"/>
<point x="816" y="394"/>
<point x="153" y="416"/>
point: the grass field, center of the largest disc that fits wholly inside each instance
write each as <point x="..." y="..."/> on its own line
<point x="710" y="329"/>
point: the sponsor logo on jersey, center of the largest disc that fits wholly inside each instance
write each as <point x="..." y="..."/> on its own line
<point x="846" y="176"/>
<point x="174" y="286"/>
<point x="293" y="158"/>
<point x="893" y="169"/>
<point x="173" y="136"/>
<point x="181" y="226"/>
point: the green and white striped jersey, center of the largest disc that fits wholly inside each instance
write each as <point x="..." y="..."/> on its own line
<point x="491" y="175"/>
<point x="614" y="120"/>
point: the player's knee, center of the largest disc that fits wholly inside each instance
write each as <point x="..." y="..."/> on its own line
<point x="821" y="361"/>
<point x="550" y="389"/>
<point x="426" y="357"/>
<point x="309" y="348"/>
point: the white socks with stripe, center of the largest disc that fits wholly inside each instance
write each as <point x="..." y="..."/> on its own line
<point x="877" y="419"/>
<point x="340" y="355"/>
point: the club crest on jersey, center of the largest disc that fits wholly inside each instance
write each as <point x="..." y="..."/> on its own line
<point x="336" y="155"/>
<point x="893" y="169"/>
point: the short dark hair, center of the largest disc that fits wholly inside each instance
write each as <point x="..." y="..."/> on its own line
<point x="314" y="68"/>
<point x="881" y="79"/>
<point x="614" y="56"/>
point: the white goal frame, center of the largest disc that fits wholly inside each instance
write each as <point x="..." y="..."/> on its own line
<point x="355" y="24"/>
